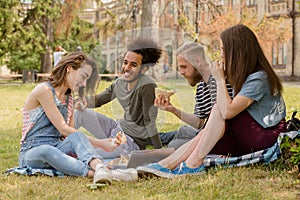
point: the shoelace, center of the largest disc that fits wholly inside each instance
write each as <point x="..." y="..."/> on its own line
<point x="180" y="167"/>
<point x="108" y="171"/>
<point x="116" y="176"/>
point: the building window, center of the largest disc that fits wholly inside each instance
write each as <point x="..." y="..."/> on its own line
<point x="279" y="55"/>
<point x="26" y="1"/>
<point x="186" y="8"/>
<point x="251" y="3"/>
<point x="220" y="3"/>
<point x="169" y="50"/>
<point x="278" y="1"/>
<point x="171" y="8"/>
<point x="104" y="62"/>
<point x="112" y="63"/>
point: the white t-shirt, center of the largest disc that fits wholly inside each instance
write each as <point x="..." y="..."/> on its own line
<point x="57" y="56"/>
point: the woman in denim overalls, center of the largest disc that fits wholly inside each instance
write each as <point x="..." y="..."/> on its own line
<point x="48" y="137"/>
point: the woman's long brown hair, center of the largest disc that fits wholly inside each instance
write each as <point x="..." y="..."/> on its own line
<point x="244" y="56"/>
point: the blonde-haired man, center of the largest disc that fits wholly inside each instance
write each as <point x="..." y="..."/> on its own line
<point x="193" y="66"/>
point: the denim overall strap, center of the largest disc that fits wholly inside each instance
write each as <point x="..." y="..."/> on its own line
<point x="62" y="110"/>
<point x="43" y="130"/>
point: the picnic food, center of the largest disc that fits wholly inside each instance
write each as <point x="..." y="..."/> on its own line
<point x="119" y="162"/>
<point x="166" y="93"/>
<point x="124" y="159"/>
<point x="120" y="138"/>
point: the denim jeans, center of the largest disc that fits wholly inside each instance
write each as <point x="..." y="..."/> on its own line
<point x="167" y="137"/>
<point x="181" y="136"/>
<point x="60" y="156"/>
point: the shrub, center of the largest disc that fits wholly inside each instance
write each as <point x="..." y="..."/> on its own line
<point x="290" y="149"/>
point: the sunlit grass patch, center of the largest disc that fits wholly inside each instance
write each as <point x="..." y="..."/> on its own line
<point x="253" y="182"/>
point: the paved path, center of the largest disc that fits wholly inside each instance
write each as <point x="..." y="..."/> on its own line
<point x="292" y="84"/>
<point x="172" y="75"/>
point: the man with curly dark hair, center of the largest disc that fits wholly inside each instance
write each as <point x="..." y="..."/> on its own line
<point x="136" y="93"/>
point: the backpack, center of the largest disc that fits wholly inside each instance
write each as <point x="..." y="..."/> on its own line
<point x="293" y="124"/>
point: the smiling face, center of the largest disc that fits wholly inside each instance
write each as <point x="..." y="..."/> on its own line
<point x="78" y="78"/>
<point x="132" y="66"/>
<point x="189" y="72"/>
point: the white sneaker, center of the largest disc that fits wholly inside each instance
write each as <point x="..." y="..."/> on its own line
<point x="126" y="175"/>
<point x="102" y="175"/>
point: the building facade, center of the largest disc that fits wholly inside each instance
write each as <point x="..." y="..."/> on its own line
<point x="182" y="20"/>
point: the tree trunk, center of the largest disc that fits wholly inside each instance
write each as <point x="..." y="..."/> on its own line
<point x="146" y="17"/>
<point x="46" y="58"/>
<point x="150" y="28"/>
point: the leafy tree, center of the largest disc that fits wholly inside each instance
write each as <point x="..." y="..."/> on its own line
<point x="270" y="31"/>
<point x="23" y="38"/>
<point x="114" y="23"/>
<point x="30" y="33"/>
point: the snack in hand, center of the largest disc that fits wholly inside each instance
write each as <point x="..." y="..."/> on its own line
<point x="123" y="159"/>
<point x="166" y="93"/>
<point x="120" y="138"/>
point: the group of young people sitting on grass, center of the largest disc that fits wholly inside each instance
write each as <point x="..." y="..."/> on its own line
<point x="239" y="109"/>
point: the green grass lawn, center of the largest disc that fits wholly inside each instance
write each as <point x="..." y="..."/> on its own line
<point x="253" y="182"/>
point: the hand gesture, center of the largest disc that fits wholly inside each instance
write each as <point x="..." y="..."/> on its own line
<point x="80" y="104"/>
<point x="107" y="144"/>
<point x="217" y="70"/>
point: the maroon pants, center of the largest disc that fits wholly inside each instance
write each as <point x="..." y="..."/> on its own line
<point x="244" y="135"/>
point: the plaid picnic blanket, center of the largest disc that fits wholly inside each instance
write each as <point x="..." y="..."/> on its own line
<point x="264" y="156"/>
<point x="30" y="171"/>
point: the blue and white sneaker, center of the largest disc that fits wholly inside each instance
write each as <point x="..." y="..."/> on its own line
<point x="182" y="169"/>
<point x="155" y="169"/>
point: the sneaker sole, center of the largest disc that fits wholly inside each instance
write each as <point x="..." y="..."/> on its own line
<point x="130" y="178"/>
<point x="103" y="180"/>
<point x="134" y="179"/>
<point x="190" y="174"/>
<point x="126" y="175"/>
<point x="146" y="172"/>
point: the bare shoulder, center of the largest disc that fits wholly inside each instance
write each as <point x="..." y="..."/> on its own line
<point x="42" y="89"/>
<point x="42" y="86"/>
<point x="40" y="93"/>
